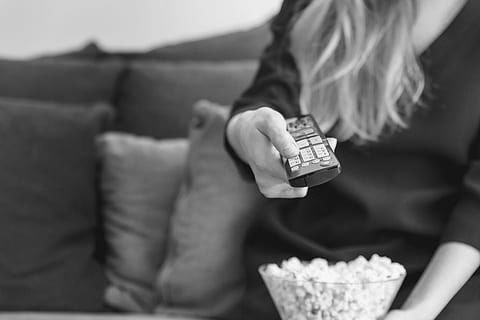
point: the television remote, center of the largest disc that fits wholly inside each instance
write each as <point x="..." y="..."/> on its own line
<point x="316" y="162"/>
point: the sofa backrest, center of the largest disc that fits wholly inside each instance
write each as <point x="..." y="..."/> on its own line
<point x="153" y="92"/>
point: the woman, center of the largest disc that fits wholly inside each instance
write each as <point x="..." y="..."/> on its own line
<point x="398" y="84"/>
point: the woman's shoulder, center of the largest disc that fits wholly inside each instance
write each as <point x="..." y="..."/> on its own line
<point x="466" y="27"/>
<point x="289" y="9"/>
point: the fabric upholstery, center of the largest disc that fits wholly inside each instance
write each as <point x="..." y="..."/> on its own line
<point x="203" y="271"/>
<point x="139" y="181"/>
<point x="241" y="45"/>
<point x="89" y="51"/>
<point x="233" y="46"/>
<point x="156" y="99"/>
<point x="48" y="207"/>
<point x="69" y="316"/>
<point x="70" y="81"/>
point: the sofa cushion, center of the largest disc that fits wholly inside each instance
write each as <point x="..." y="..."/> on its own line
<point x="61" y="81"/>
<point x="241" y="45"/>
<point x="233" y="46"/>
<point x="69" y="316"/>
<point x="48" y="207"/>
<point x="92" y="51"/>
<point x="139" y="182"/>
<point x="156" y="99"/>
<point x="89" y="51"/>
<point x="203" y="272"/>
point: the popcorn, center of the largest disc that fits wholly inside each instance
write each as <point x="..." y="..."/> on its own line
<point x="358" y="290"/>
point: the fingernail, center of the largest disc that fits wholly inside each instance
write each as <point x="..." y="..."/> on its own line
<point x="291" y="151"/>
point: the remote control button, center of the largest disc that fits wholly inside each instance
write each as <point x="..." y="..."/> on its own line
<point x="308" y="131"/>
<point x="320" y="148"/>
<point x="326" y="158"/>
<point x="291" y="124"/>
<point x="294" y="161"/>
<point x="296" y="168"/>
<point x="305" y="164"/>
<point x="315" y="161"/>
<point x="325" y="163"/>
<point x="321" y="151"/>
<point x="307" y="154"/>
<point x="308" y="122"/>
<point x="302" y="143"/>
<point x="297" y="134"/>
<point x="315" y="140"/>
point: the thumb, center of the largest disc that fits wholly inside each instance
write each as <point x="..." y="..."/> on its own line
<point x="274" y="126"/>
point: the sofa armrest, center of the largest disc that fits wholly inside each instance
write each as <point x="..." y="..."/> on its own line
<point x="73" y="316"/>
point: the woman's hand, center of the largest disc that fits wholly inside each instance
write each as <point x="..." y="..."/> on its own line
<point x="260" y="138"/>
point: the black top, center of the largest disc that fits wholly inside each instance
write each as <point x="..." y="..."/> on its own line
<point x="400" y="197"/>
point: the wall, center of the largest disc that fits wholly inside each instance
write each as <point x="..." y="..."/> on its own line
<point x="30" y="27"/>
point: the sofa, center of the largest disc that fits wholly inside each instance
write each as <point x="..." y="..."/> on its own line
<point x="117" y="198"/>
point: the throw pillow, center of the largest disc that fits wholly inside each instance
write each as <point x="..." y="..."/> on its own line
<point x="203" y="273"/>
<point x="77" y="82"/>
<point x="48" y="207"/>
<point x="156" y="99"/>
<point x="139" y="181"/>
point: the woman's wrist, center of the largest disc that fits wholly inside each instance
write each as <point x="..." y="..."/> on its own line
<point x="420" y="311"/>
<point x="409" y="314"/>
<point x="232" y="136"/>
<point x="451" y="266"/>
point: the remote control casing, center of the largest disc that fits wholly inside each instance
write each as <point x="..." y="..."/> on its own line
<point x="316" y="162"/>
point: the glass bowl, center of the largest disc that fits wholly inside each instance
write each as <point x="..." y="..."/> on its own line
<point x="308" y="299"/>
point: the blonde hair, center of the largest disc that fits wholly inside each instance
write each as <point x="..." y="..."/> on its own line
<point x="359" y="71"/>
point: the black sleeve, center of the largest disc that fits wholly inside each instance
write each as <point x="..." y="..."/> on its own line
<point x="464" y="223"/>
<point x="277" y="81"/>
